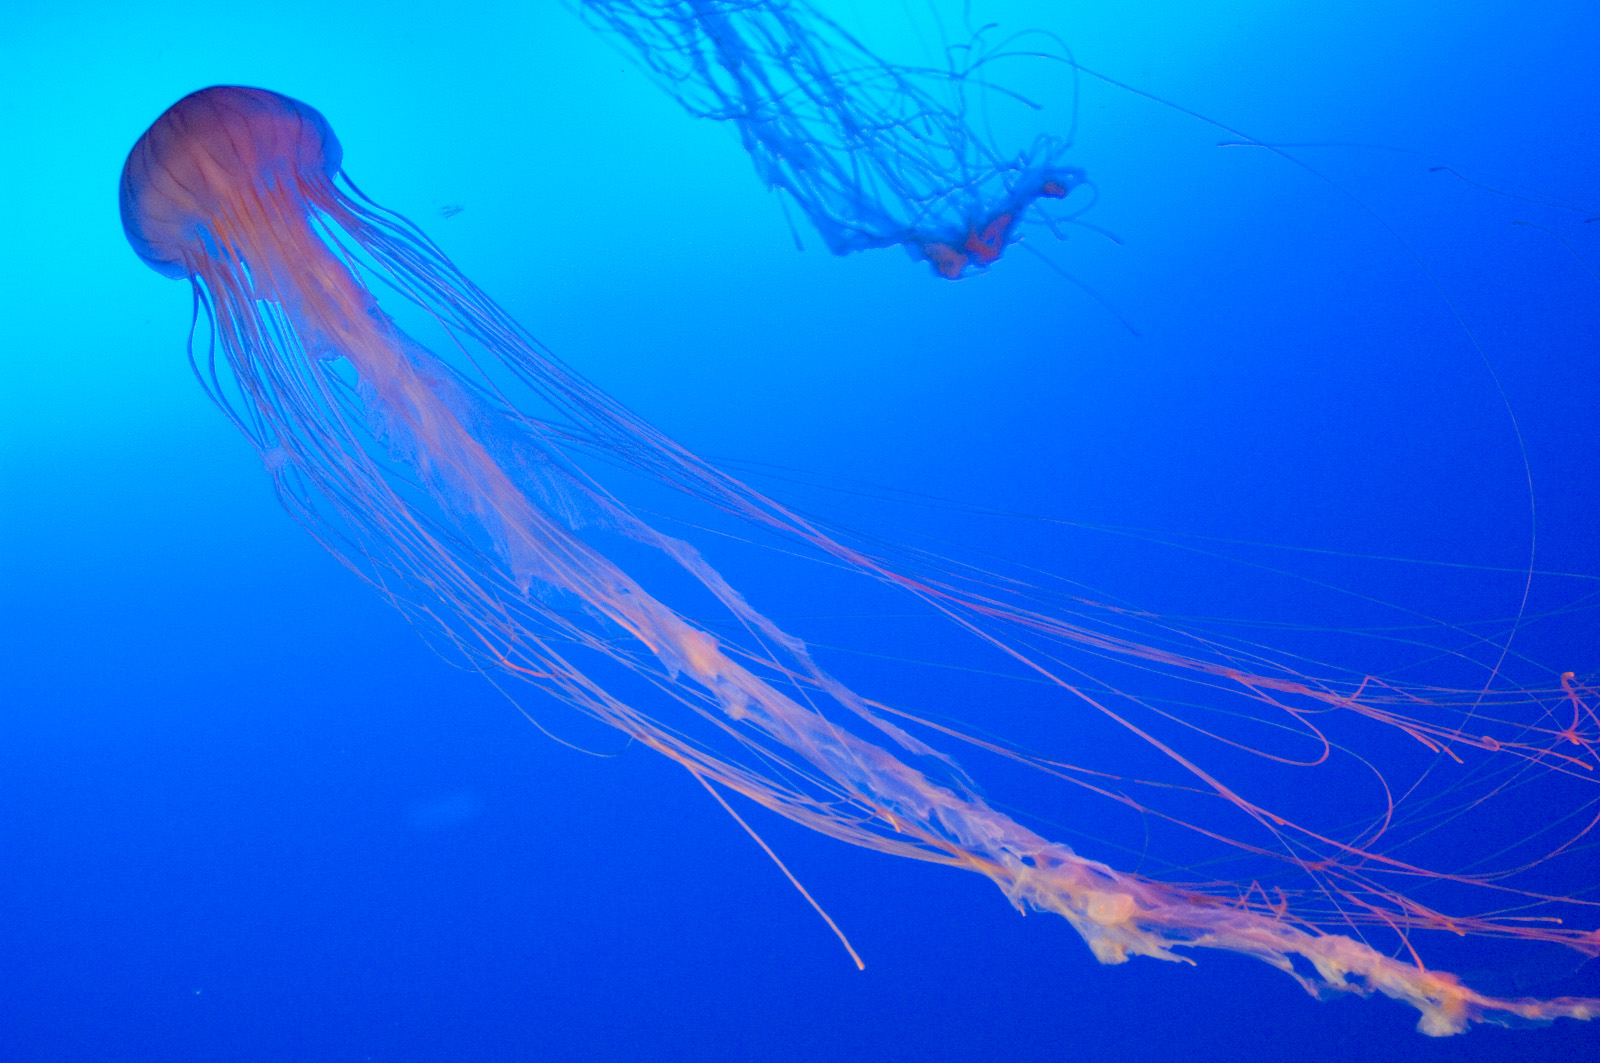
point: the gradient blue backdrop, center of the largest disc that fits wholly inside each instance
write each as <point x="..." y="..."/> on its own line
<point x="245" y="815"/>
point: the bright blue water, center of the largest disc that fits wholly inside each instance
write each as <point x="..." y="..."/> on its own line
<point x="245" y="815"/>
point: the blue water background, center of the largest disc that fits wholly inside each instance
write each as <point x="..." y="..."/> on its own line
<point x="245" y="814"/>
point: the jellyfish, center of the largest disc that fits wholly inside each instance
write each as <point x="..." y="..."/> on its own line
<point x="874" y="154"/>
<point x="465" y="482"/>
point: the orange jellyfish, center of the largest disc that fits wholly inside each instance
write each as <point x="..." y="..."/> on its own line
<point x="461" y="485"/>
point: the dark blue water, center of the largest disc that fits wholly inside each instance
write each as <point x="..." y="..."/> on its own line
<point x="246" y="815"/>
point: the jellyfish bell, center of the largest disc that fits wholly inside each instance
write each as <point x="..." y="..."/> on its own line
<point x="223" y="187"/>
<point x="213" y="162"/>
<point x="462" y="496"/>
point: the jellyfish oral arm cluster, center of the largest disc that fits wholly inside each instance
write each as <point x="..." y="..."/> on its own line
<point x="465" y="511"/>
